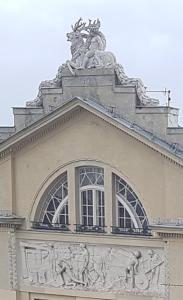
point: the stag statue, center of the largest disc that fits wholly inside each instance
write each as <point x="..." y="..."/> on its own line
<point x="88" y="47"/>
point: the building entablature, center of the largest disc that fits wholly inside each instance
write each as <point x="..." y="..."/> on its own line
<point x="168" y="231"/>
<point x="10" y="220"/>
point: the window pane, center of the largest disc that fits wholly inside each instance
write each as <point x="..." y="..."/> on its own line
<point x="84" y="222"/>
<point x="99" y="197"/>
<point x="139" y="210"/>
<point x="63" y="216"/>
<point x="121" y="222"/>
<point x="54" y="196"/>
<point x="128" y="223"/>
<point x="90" y="197"/>
<point x="90" y="221"/>
<point x="100" y="221"/>
<point x="84" y="210"/>
<point x="83" y="197"/>
<point x="90" y="210"/>
<point x="62" y="219"/>
<point x="93" y="200"/>
<point x="103" y="198"/>
<point x="91" y="176"/>
<point x="128" y="196"/>
<point x="100" y="180"/>
<point x="51" y="206"/>
<point x="121" y="211"/>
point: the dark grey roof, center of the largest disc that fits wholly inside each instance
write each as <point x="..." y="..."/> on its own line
<point x="173" y="148"/>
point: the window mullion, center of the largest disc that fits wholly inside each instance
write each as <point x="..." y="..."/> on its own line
<point x="94" y="207"/>
<point x="117" y="212"/>
<point x="87" y="208"/>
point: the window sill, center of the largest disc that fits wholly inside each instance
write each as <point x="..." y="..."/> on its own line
<point x="92" y="229"/>
<point x="55" y="227"/>
<point x="131" y="231"/>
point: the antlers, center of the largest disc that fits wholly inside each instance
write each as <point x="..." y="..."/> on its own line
<point x="79" y="25"/>
<point x="94" y="25"/>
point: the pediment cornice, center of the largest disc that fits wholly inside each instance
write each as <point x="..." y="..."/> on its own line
<point x="38" y="130"/>
<point x="168" y="231"/>
<point x="68" y="111"/>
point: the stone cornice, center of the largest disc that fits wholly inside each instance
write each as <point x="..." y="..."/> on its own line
<point x="168" y="231"/>
<point x="150" y="144"/>
<point x="170" y="235"/>
<point x="37" y="130"/>
<point x="11" y="222"/>
<point x="66" y="112"/>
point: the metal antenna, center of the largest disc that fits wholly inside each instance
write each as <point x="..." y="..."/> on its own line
<point x="165" y="92"/>
<point x="169" y="98"/>
<point x="112" y="110"/>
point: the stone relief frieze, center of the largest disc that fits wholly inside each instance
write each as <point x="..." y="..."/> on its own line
<point x="102" y="268"/>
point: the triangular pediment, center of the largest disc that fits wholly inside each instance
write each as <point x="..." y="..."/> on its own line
<point x="74" y="106"/>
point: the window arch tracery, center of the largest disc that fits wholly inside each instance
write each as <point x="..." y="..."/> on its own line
<point x="53" y="209"/>
<point x="129" y="210"/>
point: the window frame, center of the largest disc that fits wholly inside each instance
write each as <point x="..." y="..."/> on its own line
<point x="132" y="214"/>
<point x="61" y="206"/>
<point x="122" y="196"/>
<point x="94" y="189"/>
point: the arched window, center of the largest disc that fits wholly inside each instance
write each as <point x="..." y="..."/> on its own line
<point x="91" y="190"/>
<point x="53" y="209"/>
<point x="130" y="213"/>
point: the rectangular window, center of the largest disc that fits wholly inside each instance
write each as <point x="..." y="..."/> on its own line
<point x="92" y="207"/>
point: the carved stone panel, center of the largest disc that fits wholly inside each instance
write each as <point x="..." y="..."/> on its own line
<point x="102" y="268"/>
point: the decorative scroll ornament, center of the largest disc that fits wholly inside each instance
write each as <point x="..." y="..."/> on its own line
<point x="88" y="46"/>
<point x="99" y="268"/>
<point x="12" y="260"/>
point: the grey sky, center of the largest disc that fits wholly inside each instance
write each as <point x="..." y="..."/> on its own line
<point x="145" y="35"/>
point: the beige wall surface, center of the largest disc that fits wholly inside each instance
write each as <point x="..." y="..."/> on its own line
<point x="6" y="184"/>
<point x="52" y="297"/>
<point x="175" y="260"/>
<point x="4" y="261"/>
<point x="8" y="295"/>
<point x="89" y="140"/>
<point x="155" y="179"/>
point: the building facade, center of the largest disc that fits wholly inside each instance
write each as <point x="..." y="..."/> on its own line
<point x="91" y="186"/>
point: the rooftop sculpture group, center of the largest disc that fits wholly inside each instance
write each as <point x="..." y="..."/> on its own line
<point x="88" y="46"/>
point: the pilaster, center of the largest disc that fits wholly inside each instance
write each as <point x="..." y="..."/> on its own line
<point x="71" y="197"/>
<point x="108" y="197"/>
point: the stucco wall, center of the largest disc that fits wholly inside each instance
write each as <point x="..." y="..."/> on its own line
<point x="155" y="179"/>
<point x="86" y="139"/>
<point x="8" y="295"/>
<point x="4" y="261"/>
<point x="6" y="184"/>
